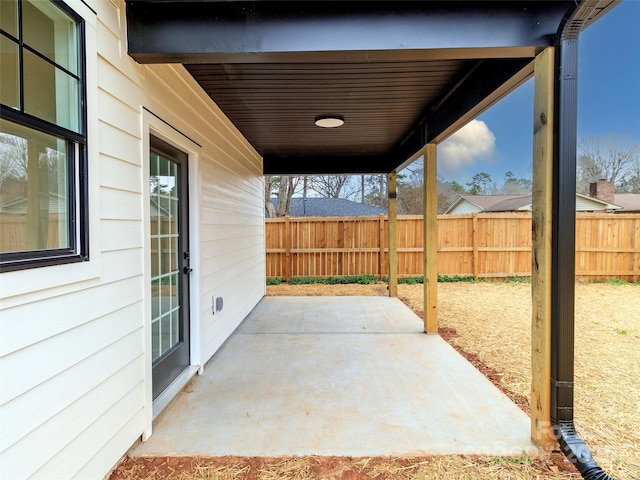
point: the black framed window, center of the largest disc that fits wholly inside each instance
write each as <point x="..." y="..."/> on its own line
<point x="43" y="191"/>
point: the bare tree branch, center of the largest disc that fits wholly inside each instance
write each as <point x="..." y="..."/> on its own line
<point x="610" y="157"/>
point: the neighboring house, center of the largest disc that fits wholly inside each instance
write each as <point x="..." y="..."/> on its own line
<point x="630" y="202"/>
<point x="605" y="190"/>
<point x="50" y="202"/>
<point x="329" y="207"/>
<point x="466" y="204"/>
<point x="481" y="203"/>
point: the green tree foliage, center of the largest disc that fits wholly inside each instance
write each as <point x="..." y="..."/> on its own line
<point x="480" y="184"/>
<point x="515" y="186"/>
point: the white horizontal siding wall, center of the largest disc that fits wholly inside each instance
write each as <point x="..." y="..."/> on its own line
<point x="584" y="204"/>
<point x="74" y="386"/>
<point x="465" y="207"/>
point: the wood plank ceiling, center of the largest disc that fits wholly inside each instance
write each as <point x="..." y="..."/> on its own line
<point x="275" y="105"/>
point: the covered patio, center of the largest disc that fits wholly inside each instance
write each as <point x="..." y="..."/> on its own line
<point x="357" y="87"/>
<point x="348" y="376"/>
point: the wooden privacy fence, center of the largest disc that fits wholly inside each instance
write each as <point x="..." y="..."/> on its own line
<point x="483" y="245"/>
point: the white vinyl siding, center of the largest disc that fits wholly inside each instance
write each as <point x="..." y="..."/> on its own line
<point x="72" y="337"/>
<point x="584" y="204"/>
<point x="465" y="207"/>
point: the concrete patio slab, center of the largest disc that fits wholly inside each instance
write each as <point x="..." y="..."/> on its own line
<point x="349" y="376"/>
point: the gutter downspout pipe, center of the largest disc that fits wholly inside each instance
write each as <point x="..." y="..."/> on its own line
<point x="563" y="238"/>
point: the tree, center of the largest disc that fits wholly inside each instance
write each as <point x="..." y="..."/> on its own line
<point x="631" y="183"/>
<point x="410" y="189"/>
<point x="268" y="190"/>
<point x="377" y="190"/>
<point x="587" y="171"/>
<point x="283" y="188"/>
<point x="480" y="184"/>
<point x="448" y="192"/>
<point x="333" y="186"/>
<point x="611" y="157"/>
<point x="14" y="158"/>
<point x="515" y="186"/>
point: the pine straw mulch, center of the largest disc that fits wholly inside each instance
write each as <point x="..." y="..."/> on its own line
<point x="341" y="468"/>
<point x="488" y="323"/>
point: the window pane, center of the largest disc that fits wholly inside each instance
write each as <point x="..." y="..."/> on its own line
<point x="9" y="76"/>
<point x="50" y="93"/>
<point x="51" y="32"/>
<point x="9" y="16"/>
<point x="33" y="190"/>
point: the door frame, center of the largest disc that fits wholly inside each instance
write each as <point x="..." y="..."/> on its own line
<point x="171" y="363"/>
<point x="153" y="125"/>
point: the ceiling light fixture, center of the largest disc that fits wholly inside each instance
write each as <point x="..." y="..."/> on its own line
<point x="330" y="121"/>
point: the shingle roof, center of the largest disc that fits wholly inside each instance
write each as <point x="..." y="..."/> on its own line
<point x="329" y="207"/>
<point x="510" y="204"/>
<point x="488" y="201"/>
<point x="630" y="202"/>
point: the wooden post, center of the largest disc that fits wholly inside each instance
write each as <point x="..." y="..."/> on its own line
<point x="474" y="243"/>
<point x="636" y="255"/>
<point x="430" y="246"/>
<point x="341" y="252"/>
<point x="541" y="432"/>
<point x="381" y="244"/>
<point x="287" y="249"/>
<point x="393" y="236"/>
<point x="37" y="188"/>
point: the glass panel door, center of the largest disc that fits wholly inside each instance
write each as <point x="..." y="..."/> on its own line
<point x="169" y="264"/>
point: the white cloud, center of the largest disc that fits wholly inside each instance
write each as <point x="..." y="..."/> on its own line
<point x="471" y="144"/>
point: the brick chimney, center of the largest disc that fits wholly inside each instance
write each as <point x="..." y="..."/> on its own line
<point x="602" y="190"/>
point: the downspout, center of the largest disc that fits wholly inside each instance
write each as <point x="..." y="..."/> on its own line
<point x="563" y="238"/>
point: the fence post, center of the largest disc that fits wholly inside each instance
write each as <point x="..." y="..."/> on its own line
<point x="474" y="243"/>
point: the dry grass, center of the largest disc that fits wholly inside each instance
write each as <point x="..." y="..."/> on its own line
<point x="492" y="321"/>
<point x="334" y="468"/>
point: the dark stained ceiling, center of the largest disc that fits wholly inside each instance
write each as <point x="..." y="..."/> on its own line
<point x="380" y="101"/>
<point x="401" y="74"/>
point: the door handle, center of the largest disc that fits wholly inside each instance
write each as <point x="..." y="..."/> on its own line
<point x="187" y="270"/>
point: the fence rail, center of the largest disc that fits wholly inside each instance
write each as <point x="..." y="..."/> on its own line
<point x="490" y="246"/>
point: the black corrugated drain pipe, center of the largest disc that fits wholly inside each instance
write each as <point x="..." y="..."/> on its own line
<point x="579" y="454"/>
<point x="563" y="238"/>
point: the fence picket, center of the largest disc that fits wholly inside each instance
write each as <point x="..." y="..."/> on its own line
<point x="482" y="245"/>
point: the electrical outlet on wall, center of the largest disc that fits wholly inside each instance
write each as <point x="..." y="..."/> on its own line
<point x="216" y="304"/>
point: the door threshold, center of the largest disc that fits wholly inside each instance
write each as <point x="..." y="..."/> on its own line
<point x="160" y="403"/>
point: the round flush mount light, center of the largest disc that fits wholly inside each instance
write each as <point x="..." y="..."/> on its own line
<point x="330" y="121"/>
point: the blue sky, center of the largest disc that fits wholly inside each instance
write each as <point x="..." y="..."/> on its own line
<point x="608" y="102"/>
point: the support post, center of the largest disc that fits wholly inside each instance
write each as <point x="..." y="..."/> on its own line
<point x="393" y="235"/>
<point x="287" y="249"/>
<point x="474" y="244"/>
<point x="430" y="242"/>
<point x="543" y="136"/>
<point x="381" y="244"/>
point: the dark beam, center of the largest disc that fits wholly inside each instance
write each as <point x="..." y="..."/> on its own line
<point x="198" y="32"/>
<point x="325" y="165"/>
<point x="489" y="81"/>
